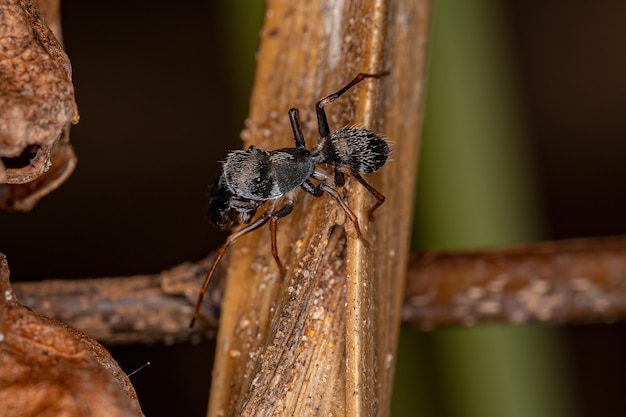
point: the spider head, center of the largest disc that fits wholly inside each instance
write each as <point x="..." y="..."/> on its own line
<point x="227" y="210"/>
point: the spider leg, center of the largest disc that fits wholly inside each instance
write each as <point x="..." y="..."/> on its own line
<point x="284" y="210"/>
<point x="344" y="206"/>
<point x="273" y="228"/>
<point x="218" y="256"/>
<point x="340" y="178"/>
<point x="324" y="188"/>
<point x="271" y="216"/>
<point x="322" y="121"/>
<point x="311" y="189"/>
<point x="379" y="196"/>
<point x="298" y="137"/>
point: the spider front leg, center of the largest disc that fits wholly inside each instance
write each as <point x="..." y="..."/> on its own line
<point x="284" y="211"/>
<point x="322" y="121"/>
<point x="271" y="216"/>
<point x="218" y="256"/>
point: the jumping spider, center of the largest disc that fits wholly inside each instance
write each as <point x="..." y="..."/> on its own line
<point x="249" y="178"/>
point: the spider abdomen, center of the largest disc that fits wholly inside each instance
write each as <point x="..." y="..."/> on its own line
<point x="356" y="147"/>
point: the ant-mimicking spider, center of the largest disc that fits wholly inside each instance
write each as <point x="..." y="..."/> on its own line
<point x="249" y="178"/>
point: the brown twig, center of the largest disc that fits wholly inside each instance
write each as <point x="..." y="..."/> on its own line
<point x="553" y="282"/>
<point x="581" y="280"/>
<point x="124" y="310"/>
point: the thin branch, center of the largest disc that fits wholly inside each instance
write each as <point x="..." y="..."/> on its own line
<point x="581" y="280"/>
<point x="125" y="310"/>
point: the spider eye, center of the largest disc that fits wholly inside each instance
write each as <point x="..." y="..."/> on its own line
<point x="258" y="180"/>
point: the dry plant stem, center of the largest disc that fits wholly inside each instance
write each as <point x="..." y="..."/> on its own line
<point x="578" y="280"/>
<point x="321" y="340"/>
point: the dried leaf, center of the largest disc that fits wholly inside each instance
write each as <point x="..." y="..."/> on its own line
<point x="36" y="106"/>
<point x="50" y="369"/>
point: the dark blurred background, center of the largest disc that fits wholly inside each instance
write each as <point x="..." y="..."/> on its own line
<point x="163" y="91"/>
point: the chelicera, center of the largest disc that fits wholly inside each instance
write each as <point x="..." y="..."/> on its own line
<point x="250" y="178"/>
